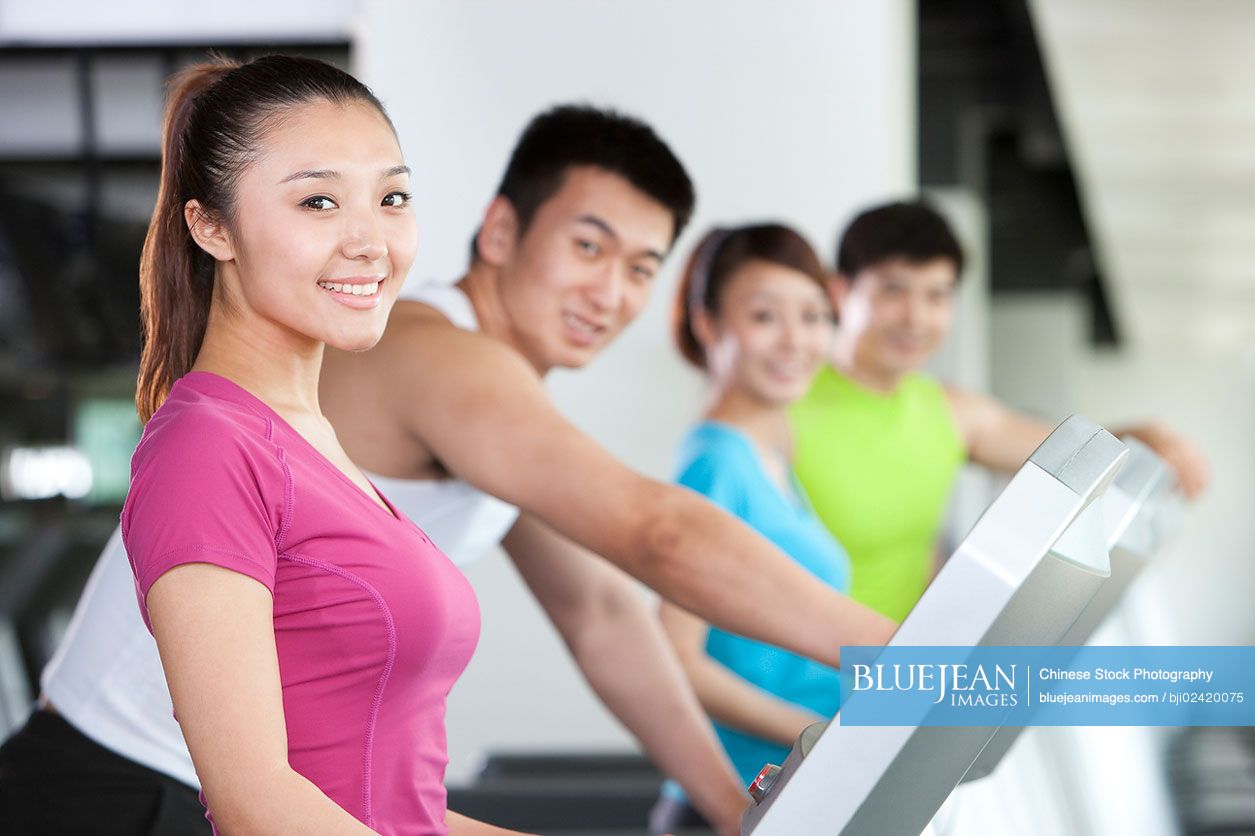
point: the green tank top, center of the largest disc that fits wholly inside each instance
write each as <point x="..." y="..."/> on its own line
<point x="878" y="469"/>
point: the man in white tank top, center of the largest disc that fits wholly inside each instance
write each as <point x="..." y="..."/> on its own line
<point x="590" y="204"/>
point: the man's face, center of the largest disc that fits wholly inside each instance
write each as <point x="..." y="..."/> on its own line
<point x="898" y="312"/>
<point x="584" y="267"/>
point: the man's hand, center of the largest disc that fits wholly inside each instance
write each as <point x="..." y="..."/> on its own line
<point x="1178" y="452"/>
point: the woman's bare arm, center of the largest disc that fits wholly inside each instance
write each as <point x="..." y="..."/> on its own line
<point x="215" y="632"/>
<point x="727" y="697"/>
<point x="621" y="650"/>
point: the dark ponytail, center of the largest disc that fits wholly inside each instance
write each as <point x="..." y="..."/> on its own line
<point x="717" y="256"/>
<point x="176" y="277"/>
<point x="215" y="117"/>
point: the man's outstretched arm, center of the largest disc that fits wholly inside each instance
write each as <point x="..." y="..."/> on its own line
<point x="490" y="422"/>
<point x="1002" y="438"/>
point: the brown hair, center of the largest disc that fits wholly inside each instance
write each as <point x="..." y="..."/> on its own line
<point x="719" y="254"/>
<point x="215" y="116"/>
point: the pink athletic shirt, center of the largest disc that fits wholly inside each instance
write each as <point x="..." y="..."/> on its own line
<point x="372" y="622"/>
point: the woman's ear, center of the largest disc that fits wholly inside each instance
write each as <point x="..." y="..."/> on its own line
<point x="498" y="234"/>
<point x="209" y="233"/>
<point x="703" y="325"/>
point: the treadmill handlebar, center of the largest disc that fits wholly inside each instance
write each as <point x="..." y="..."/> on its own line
<point x="1081" y="455"/>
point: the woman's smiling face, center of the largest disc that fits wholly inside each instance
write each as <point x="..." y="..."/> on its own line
<point x="770" y="334"/>
<point x="321" y="234"/>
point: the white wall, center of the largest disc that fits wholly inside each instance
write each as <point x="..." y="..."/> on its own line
<point x="1200" y="587"/>
<point x="794" y="110"/>
<point x="1199" y="592"/>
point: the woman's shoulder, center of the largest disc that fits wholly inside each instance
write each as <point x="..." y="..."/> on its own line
<point x="199" y="436"/>
<point x="207" y="475"/>
<point x="713" y="459"/>
<point x="714" y="440"/>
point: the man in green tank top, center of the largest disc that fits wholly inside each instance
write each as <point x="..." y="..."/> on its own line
<point x="878" y="442"/>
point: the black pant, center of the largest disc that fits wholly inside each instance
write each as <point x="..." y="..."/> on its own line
<point x="55" y="781"/>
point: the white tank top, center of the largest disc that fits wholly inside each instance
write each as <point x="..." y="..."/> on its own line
<point x="106" y="677"/>
<point x="463" y="521"/>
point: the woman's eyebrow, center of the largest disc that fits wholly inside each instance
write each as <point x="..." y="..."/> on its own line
<point x="311" y="174"/>
<point x="328" y="174"/>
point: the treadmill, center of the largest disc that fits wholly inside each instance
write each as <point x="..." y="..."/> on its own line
<point x="1023" y="575"/>
<point x="1139" y="509"/>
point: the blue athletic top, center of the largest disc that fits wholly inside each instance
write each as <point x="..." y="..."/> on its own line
<point x="721" y="463"/>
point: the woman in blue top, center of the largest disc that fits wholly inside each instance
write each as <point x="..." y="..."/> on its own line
<point x="753" y="314"/>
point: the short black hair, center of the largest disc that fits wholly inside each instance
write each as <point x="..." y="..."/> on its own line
<point x="909" y="230"/>
<point x="583" y="135"/>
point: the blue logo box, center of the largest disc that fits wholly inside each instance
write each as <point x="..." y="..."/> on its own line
<point x="1048" y="686"/>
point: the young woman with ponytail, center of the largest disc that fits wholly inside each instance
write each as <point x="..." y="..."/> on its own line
<point x="752" y="313"/>
<point x="308" y="631"/>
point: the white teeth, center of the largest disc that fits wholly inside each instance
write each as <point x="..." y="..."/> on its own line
<point x="351" y="289"/>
